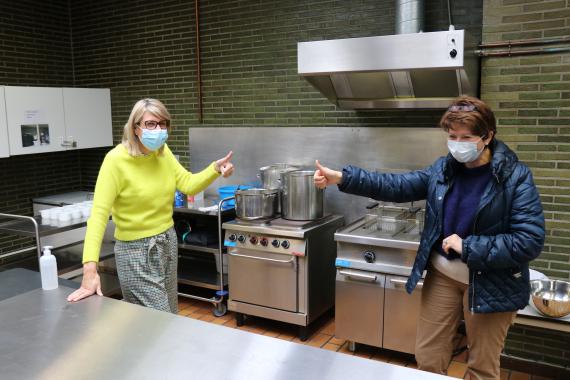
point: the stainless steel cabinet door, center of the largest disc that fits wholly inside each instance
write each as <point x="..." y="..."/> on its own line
<point x="401" y="315"/>
<point x="359" y="306"/>
<point x="264" y="279"/>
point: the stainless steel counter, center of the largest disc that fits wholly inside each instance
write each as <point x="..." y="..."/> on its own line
<point x="44" y="337"/>
<point x="530" y="317"/>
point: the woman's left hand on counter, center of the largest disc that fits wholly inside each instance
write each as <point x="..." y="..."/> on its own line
<point x="452" y="242"/>
<point x="224" y="166"/>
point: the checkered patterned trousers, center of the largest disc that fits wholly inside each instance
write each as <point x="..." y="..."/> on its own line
<point x="147" y="270"/>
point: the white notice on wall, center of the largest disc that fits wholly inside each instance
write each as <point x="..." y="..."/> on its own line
<point x="33" y="117"/>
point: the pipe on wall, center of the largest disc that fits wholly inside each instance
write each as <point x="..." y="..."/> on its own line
<point x="510" y="53"/>
<point x="198" y="65"/>
<point x="409" y="16"/>
<point x="529" y="42"/>
<point x="487" y="50"/>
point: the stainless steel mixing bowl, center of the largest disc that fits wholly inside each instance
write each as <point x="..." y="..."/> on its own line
<point x="551" y="297"/>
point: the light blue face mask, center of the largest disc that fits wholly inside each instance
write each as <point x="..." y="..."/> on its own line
<point x="464" y="151"/>
<point x="153" y="139"/>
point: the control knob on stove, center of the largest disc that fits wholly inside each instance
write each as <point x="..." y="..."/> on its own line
<point x="241" y="239"/>
<point x="232" y="237"/>
<point x="275" y="243"/>
<point x="264" y="242"/>
<point x="285" y="244"/>
<point x="369" y="256"/>
<point x="253" y="240"/>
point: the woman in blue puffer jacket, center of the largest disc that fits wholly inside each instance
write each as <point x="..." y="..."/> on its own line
<point x="483" y="223"/>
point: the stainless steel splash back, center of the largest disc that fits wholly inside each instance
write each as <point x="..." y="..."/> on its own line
<point x="386" y="149"/>
<point x="416" y="70"/>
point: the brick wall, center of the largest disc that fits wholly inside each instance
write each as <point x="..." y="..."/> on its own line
<point x="35" y="43"/>
<point x="531" y="96"/>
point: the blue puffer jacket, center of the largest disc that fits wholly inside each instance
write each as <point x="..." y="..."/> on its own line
<point x="508" y="229"/>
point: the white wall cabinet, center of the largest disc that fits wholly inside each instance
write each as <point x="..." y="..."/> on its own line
<point x="88" y="117"/>
<point x="4" y="145"/>
<point x="35" y="119"/>
<point x="43" y="119"/>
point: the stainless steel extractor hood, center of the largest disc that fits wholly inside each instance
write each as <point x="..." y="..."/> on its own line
<point x="415" y="70"/>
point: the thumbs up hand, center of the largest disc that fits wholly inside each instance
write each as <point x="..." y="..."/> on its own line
<point x="324" y="176"/>
<point x="224" y="166"/>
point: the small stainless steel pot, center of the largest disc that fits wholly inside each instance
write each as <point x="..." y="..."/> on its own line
<point x="270" y="176"/>
<point x="256" y="203"/>
<point x="300" y="198"/>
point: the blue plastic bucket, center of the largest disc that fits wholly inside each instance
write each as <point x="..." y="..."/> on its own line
<point x="230" y="191"/>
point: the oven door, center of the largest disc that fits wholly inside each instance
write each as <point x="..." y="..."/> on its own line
<point x="359" y="306"/>
<point x="401" y="313"/>
<point x="264" y="279"/>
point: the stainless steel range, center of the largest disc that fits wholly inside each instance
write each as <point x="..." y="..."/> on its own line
<point x="282" y="269"/>
<point x="375" y="257"/>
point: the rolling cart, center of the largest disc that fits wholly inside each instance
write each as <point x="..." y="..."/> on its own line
<point x="69" y="251"/>
<point x="191" y="272"/>
<point x="22" y="225"/>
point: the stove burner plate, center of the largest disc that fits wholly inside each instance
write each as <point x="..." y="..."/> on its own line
<point x="280" y="223"/>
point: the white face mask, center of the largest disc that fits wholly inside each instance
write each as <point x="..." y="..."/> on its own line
<point x="464" y="151"/>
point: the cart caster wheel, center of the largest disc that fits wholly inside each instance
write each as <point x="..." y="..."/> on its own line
<point x="351" y="346"/>
<point x="240" y="319"/>
<point x="220" y="310"/>
<point x="303" y="333"/>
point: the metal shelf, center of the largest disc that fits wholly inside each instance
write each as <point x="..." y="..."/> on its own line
<point x="229" y="213"/>
<point x="200" y="248"/>
<point x="200" y="275"/>
<point x="25" y="228"/>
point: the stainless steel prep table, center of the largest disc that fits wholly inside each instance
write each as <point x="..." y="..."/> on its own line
<point x="530" y="317"/>
<point x="17" y="281"/>
<point x="44" y="337"/>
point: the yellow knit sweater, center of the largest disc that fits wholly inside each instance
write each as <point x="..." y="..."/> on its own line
<point x="139" y="194"/>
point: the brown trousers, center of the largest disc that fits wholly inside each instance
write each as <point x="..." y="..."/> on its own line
<point x="444" y="303"/>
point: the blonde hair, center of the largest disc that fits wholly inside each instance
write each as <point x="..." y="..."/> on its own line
<point x="130" y="139"/>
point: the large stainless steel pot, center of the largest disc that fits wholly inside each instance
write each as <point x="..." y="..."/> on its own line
<point x="271" y="178"/>
<point x="271" y="175"/>
<point x="300" y="198"/>
<point x="256" y="203"/>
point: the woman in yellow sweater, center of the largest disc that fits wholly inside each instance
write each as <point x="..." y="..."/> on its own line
<point x="136" y="184"/>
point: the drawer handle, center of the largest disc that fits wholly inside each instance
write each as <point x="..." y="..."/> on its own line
<point x="292" y="259"/>
<point x="359" y="276"/>
<point x="401" y="283"/>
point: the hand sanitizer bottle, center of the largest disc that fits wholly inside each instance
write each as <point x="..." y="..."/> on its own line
<point x="48" y="270"/>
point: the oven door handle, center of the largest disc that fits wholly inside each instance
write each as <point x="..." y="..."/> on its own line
<point x="358" y="276"/>
<point x="401" y="283"/>
<point x="291" y="260"/>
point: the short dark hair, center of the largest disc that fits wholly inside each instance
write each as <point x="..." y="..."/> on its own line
<point x="471" y="112"/>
